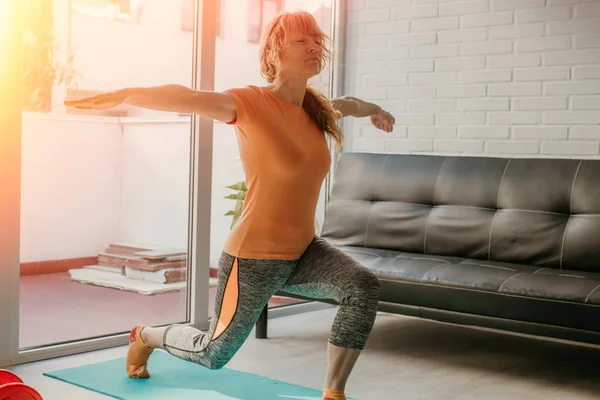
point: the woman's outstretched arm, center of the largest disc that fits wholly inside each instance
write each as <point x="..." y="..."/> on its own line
<point x="354" y="107"/>
<point x="172" y="98"/>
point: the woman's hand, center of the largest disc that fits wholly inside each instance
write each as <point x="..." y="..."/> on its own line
<point x="383" y="120"/>
<point x="99" y="102"/>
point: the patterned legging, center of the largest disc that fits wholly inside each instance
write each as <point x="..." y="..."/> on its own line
<point x="246" y="285"/>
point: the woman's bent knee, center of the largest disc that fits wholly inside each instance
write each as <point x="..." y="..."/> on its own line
<point x="374" y="287"/>
<point x="368" y="286"/>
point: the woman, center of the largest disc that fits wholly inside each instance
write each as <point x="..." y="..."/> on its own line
<point x="281" y="131"/>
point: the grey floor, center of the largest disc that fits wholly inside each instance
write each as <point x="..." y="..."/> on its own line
<point x="405" y="358"/>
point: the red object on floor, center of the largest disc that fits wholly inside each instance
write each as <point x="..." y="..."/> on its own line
<point x="55" y="309"/>
<point x="7" y="376"/>
<point x="19" y="391"/>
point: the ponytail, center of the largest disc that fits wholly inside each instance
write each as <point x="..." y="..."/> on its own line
<point x="322" y="113"/>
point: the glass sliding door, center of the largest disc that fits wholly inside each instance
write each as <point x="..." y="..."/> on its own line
<point x="105" y="212"/>
<point x="104" y="195"/>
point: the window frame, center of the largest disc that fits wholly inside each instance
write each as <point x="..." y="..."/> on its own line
<point x="255" y="30"/>
<point x="187" y="20"/>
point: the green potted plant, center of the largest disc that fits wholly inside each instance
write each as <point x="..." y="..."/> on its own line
<point x="239" y="198"/>
<point x="41" y="67"/>
<point x="41" y="71"/>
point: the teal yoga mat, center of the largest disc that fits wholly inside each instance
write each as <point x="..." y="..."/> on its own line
<point x="173" y="378"/>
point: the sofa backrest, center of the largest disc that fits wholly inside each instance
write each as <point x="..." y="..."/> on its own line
<point x="542" y="212"/>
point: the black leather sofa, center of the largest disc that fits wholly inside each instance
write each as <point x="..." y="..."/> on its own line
<point x="511" y="244"/>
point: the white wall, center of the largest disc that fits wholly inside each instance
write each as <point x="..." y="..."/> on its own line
<point x="70" y="192"/>
<point x="154" y="182"/>
<point x="492" y="77"/>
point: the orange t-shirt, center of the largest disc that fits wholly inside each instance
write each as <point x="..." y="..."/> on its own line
<point x="285" y="158"/>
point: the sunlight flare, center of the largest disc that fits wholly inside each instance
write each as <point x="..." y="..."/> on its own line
<point x="11" y="23"/>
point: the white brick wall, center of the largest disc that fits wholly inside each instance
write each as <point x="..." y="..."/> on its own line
<point x="477" y="77"/>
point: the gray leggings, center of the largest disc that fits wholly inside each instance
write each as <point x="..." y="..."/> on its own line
<point x="246" y="285"/>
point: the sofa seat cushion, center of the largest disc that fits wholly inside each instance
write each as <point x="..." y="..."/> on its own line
<point x="481" y="275"/>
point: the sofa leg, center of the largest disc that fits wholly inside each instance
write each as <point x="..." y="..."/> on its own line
<point x="261" y="324"/>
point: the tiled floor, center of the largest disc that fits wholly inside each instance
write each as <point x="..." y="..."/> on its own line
<point x="405" y="359"/>
<point x="55" y="309"/>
